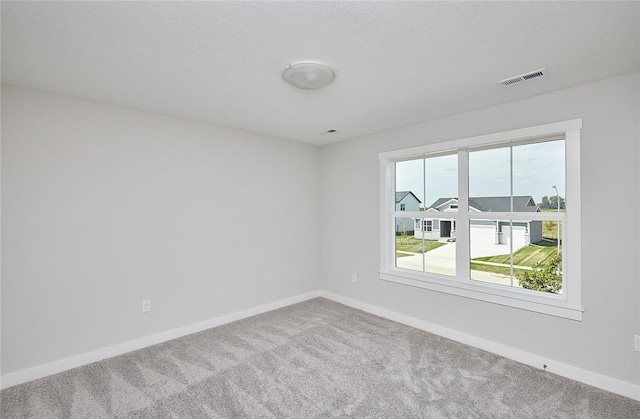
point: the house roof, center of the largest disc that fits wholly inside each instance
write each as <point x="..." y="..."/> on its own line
<point x="400" y="195"/>
<point x="523" y="203"/>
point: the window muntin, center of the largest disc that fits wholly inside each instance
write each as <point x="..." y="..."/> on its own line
<point x="515" y="147"/>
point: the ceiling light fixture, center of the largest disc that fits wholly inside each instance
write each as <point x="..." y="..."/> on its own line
<point x="308" y="75"/>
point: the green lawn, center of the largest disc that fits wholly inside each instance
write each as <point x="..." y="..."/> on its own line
<point x="407" y="243"/>
<point x="494" y="269"/>
<point x="527" y="256"/>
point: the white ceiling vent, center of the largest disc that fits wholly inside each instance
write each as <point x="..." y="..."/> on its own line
<point x="523" y="77"/>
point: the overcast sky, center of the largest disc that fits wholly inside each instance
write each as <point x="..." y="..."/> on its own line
<point x="536" y="168"/>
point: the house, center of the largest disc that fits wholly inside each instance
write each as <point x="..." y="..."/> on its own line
<point x="138" y="136"/>
<point x="406" y="201"/>
<point x="437" y="226"/>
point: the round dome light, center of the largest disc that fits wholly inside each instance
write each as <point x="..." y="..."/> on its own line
<point x="308" y="75"/>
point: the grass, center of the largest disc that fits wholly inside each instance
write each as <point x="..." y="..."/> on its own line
<point x="407" y="243"/>
<point x="526" y="256"/>
<point x="494" y="269"/>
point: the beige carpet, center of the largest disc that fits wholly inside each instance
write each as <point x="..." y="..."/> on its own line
<point x="316" y="359"/>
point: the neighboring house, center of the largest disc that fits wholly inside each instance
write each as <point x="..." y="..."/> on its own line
<point x="438" y="226"/>
<point x="406" y="201"/>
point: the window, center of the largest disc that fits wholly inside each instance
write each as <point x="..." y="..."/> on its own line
<point x="488" y="230"/>
<point x="403" y="207"/>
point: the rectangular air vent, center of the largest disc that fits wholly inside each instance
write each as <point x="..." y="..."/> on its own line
<point x="523" y="77"/>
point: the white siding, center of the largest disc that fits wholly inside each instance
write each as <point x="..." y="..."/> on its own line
<point x="410" y="204"/>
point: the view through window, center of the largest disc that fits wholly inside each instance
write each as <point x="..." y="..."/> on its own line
<point x="494" y="217"/>
<point x="527" y="179"/>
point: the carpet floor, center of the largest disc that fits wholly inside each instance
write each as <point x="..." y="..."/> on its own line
<point x="316" y="359"/>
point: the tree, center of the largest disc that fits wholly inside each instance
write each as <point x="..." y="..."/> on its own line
<point x="553" y="202"/>
<point x="550" y="225"/>
<point x="543" y="276"/>
<point x="544" y="204"/>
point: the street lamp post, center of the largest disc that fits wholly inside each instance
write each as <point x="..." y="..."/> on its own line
<point x="558" y="202"/>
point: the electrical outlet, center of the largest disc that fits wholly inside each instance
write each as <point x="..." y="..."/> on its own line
<point x="354" y="278"/>
<point x="636" y="343"/>
<point x="146" y="306"/>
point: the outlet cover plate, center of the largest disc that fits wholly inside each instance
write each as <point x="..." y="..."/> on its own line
<point x="146" y="306"/>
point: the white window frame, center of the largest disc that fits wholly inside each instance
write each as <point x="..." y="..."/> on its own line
<point x="569" y="303"/>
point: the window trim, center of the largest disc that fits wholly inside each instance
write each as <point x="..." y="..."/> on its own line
<point x="569" y="304"/>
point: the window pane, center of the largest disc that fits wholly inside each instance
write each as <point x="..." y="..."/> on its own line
<point x="409" y="185"/>
<point x="534" y="172"/>
<point x="440" y="252"/>
<point x="408" y="247"/>
<point x="421" y="250"/>
<point x="490" y="180"/>
<point x="516" y="253"/>
<point x="538" y="169"/>
<point x="439" y="228"/>
<point x="441" y="181"/>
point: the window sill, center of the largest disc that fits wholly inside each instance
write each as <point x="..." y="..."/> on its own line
<point x="551" y="305"/>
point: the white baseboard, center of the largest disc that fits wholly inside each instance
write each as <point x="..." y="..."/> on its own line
<point x="591" y="378"/>
<point x="55" y="367"/>
<point x="606" y="383"/>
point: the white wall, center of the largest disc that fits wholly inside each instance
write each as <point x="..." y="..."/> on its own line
<point x="103" y="207"/>
<point x="603" y="342"/>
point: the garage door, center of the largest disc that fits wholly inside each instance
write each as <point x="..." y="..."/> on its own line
<point x="519" y="234"/>
<point x="483" y="234"/>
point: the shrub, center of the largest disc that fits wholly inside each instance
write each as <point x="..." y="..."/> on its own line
<point x="544" y="276"/>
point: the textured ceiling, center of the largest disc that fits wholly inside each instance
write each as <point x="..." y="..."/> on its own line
<point x="398" y="63"/>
